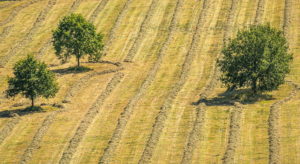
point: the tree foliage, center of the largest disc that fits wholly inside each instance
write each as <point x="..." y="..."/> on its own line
<point x="32" y="79"/>
<point x="258" y="58"/>
<point x="76" y="36"/>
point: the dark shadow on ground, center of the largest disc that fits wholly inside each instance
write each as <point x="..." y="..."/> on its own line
<point x="21" y="112"/>
<point x="70" y="70"/>
<point x="244" y="96"/>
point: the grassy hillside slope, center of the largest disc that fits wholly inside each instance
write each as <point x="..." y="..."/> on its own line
<point x="142" y="103"/>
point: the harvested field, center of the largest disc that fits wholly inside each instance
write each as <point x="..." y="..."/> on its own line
<point x="155" y="96"/>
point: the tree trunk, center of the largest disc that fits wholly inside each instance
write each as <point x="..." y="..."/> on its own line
<point x="32" y="102"/>
<point x="78" y="62"/>
<point x="254" y="86"/>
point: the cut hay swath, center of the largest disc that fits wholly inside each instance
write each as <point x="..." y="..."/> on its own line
<point x="126" y="114"/>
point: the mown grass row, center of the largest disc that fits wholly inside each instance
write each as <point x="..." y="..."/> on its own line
<point x="11" y="124"/>
<point x="273" y="130"/>
<point x="163" y="113"/>
<point x="48" y="43"/>
<point x="29" y="36"/>
<point x="35" y="143"/>
<point x="8" y="128"/>
<point x="72" y="90"/>
<point x="6" y="131"/>
<point x="5" y="32"/>
<point x="16" y="11"/>
<point x="88" y="119"/>
<point x="96" y="12"/>
<point x="116" y="25"/>
<point x="259" y="11"/>
<point x="83" y="81"/>
<point x="234" y="130"/>
<point x="195" y="133"/>
<point x="126" y="114"/>
<point x="141" y="32"/>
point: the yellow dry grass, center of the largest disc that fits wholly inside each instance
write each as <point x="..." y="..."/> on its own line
<point x="123" y="129"/>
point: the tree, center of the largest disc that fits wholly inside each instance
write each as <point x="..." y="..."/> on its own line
<point x="258" y="58"/>
<point x="76" y="36"/>
<point x="32" y="79"/>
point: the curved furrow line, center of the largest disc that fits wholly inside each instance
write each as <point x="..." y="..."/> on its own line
<point x="5" y="33"/>
<point x="35" y="143"/>
<point x="6" y="5"/>
<point x="75" y="5"/>
<point x="287" y="17"/>
<point x="116" y="25"/>
<point x="200" y="111"/>
<point x="11" y="124"/>
<point x="274" y="142"/>
<point x="234" y="133"/>
<point x="100" y="6"/>
<point x="88" y="119"/>
<point x="125" y="115"/>
<point x="8" y="128"/>
<point x="142" y="30"/>
<point x="259" y="11"/>
<point x="16" y="11"/>
<point x="29" y="36"/>
<point x="82" y="81"/>
<point x="163" y="113"/>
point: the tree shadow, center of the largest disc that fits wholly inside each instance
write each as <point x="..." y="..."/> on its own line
<point x="228" y="98"/>
<point x="70" y="70"/>
<point x="21" y="112"/>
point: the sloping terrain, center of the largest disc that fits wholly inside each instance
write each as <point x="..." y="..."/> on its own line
<point x="144" y="102"/>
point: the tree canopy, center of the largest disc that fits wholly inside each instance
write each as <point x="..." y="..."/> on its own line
<point x="32" y="79"/>
<point x="76" y="36"/>
<point x="257" y="58"/>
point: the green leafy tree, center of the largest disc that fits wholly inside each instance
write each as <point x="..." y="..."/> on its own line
<point x="258" y="58"/>
<point x="76" y="36"/>
<point x="32" y="79"/>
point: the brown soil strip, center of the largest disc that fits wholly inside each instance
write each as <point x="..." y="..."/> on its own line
<point x="142" y="30"/>
<point x="200" y="114"/>
<point x="259" y="12"/>
<point x="16" y="11"/>
<point x="29" y="36"/>
<point x="88" y="119"/>
<point x="126" y="114"/>
<point x="234" y="133"/>
<point x="163" y="114"/>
